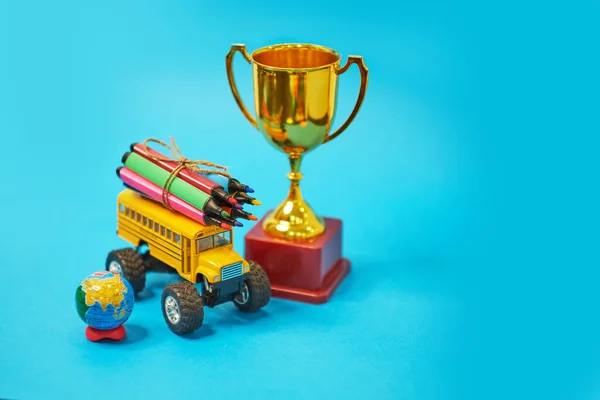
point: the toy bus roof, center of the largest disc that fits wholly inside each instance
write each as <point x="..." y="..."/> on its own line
<point x="159" y="213"/>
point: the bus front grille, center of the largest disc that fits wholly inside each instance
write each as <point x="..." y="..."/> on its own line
<point x="232" y="271"/>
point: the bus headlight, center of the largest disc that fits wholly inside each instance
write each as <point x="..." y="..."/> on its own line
<point x="217" y="278"/>
<point x="246" y="268"/>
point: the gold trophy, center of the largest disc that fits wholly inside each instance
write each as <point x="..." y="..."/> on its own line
<point x="295" y="95"/>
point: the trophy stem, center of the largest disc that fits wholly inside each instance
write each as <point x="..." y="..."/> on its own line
<point x="294" y="176"/>
<point x="294" y="218"/>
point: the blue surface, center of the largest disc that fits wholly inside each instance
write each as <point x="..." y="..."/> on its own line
<point x="474" y="276"/>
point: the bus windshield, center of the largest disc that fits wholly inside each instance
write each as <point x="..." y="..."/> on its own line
<point x="209" y="242"/>
<point x="222" y="239"/>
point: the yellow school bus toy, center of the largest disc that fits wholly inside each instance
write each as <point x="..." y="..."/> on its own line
<point x="213" y="272"/>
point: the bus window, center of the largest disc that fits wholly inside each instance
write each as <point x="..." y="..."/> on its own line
<point x="145" y="221"/>
<point x="151" y="224"/>
<point x="162" y="231"/>
<point x="177" y="238"/>
<point x="222" y="239"/>
<point x="204" y="244"/>
<point x="121" y="208"/>
<point x="157" y="227"/>
<point x="169" y="234"/>
<point x="138" y="217"/>
<point x="127" y="211"/>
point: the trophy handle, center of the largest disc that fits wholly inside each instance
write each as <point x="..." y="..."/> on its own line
<point x="229" y="64"/>
<point x="364" y="79"/>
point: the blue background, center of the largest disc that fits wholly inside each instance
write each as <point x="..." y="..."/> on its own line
<point x="475" y="262"/>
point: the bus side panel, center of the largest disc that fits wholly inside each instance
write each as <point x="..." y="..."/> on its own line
<point x="168" y="259"/>
<point x="186" y="256"/>
<point x="135" y="235"/>
<point x="168" y="255"/>
<point x="126" y="234"/>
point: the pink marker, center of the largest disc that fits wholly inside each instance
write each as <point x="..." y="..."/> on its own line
<point x="153" y="191"/>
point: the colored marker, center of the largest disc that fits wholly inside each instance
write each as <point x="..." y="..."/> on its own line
<point x="240" y="214"/>
<point x="208" y="220"/>
<point x="197" y="180"/>
<point x="131" y="187"/>
<point x="152" y="191"/>
<point x="232" y="221"/>
<point x="242" y="197"/>
<point x="178" y="187"/>
<point x="231" y="185"/>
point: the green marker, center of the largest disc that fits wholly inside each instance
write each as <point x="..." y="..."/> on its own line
<point x="179" y="187"/>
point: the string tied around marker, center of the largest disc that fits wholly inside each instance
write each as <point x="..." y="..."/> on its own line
<point x="183" y="163"/>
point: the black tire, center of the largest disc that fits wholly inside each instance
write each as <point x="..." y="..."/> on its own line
<point x="259" y="288"/>
<point x="131" y="265"/>
<point x="189" y="307"/>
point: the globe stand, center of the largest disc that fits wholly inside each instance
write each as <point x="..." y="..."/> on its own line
<point x="94" y="335"/>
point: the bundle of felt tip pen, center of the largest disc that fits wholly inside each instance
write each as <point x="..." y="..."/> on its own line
<point x="209" y="196"/>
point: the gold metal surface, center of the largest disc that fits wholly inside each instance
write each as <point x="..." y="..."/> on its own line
<point x="295" y="94"/>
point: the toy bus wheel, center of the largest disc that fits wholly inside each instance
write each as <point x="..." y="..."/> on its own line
<point x="130" y="264"/>
<point x="182" y="307"/>
<point x="256" y="291"/>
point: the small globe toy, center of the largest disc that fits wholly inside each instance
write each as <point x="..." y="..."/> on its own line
<point x="104" y="301"/>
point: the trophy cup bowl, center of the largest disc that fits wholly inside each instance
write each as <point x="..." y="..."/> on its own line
<point x="295" y="95"/>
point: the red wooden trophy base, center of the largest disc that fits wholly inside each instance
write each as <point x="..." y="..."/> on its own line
<point x="94" y="335"/>
<point x="305" y="271"/>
